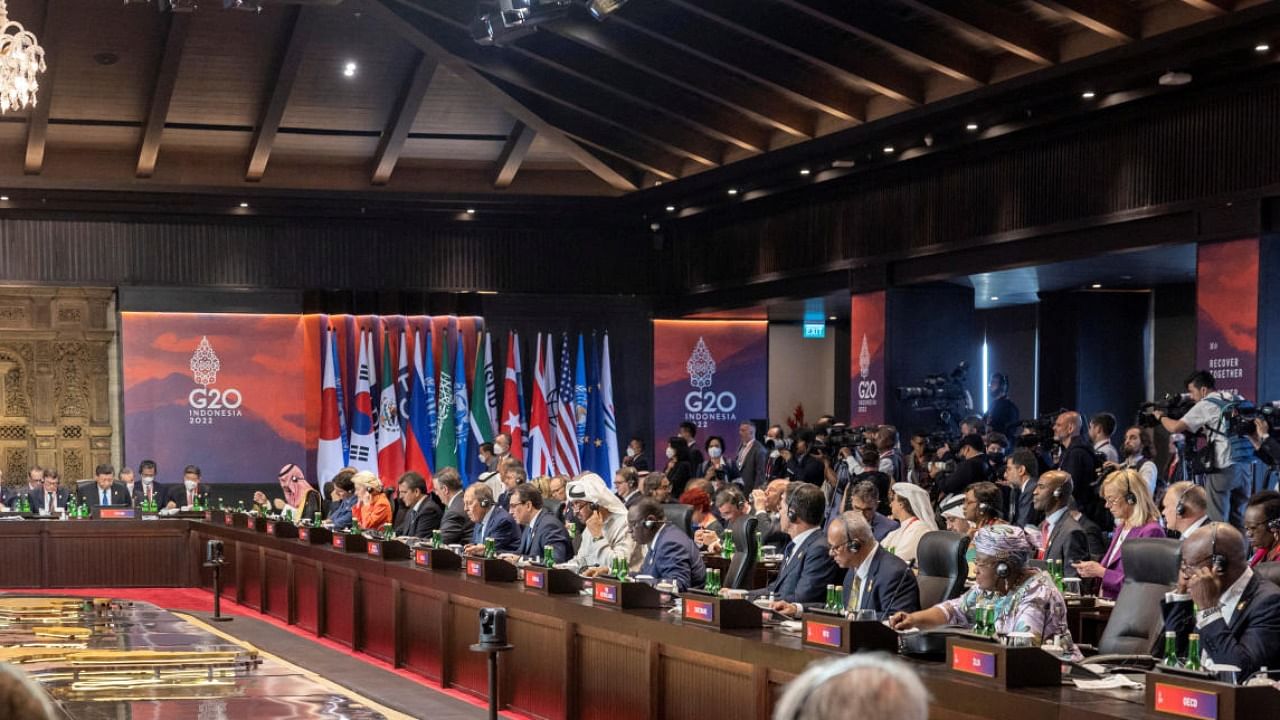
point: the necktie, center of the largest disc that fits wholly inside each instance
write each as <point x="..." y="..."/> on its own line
<point x="105" y="500"/>
<point x="1044" y="539"/>
<point x="788" y="551"/>
<point x="190" y="501"/>
<point x="48" y="503"/>
<point x="855" y="593"/>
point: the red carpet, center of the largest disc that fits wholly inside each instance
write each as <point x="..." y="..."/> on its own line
<point x="201" y="600"/>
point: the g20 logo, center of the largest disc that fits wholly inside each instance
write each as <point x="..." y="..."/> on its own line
<point x="709" y="401"/>
<point x="215" y="399"/>
<point x="867" y="390"/>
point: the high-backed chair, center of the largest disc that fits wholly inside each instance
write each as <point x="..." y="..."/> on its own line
<point x="1150" y="570"/>
<point x="742" y="566"/>
<point x="1268" y="571"/>
<point x="679" y="516"/>
<point x="943" y="569"/>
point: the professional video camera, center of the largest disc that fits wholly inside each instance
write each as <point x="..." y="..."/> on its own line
<point x="1240" y="418"/>
<point x="945" y="395"/>
<point x="1037" y="433"/>
<point x="1174" y="406"/>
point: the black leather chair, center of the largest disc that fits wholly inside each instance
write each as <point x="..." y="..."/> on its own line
<point x="742" y="565"/>
<point x="1267" y="570"/>
<point x="943" y="569"/>
<point x="680" y="516"/>
<point x="1150" y="570"/>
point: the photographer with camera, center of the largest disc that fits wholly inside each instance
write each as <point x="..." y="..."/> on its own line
<point x="806" y="460"/>
<point x="971" y="469"/>
<point x="1003" y="415"/>
<point x="1223" y="478"/>
<point x="1079" y="461"/>
<point x="1265" y="444"/>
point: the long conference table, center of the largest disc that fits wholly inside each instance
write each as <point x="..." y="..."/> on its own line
<point x="571" y="659"/>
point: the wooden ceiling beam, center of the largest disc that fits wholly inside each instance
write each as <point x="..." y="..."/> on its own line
<point x="1105" y="17"/>
<point x="38" y="115"/>
<point x="513" y="155"/>
<point x="391" y="143"/>
<point x="406" y="23"/>
<point x="1213" y="7"/>
<point x="923" y="45"/>
<point x="301" y="25"/>
<point x="162" y="93"/>
<point x="843" y="60"/>
<point x="692" y="73"/>
<point x="1001" y="27"/>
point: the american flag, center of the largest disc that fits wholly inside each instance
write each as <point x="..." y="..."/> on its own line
<point x="566" y="430"/>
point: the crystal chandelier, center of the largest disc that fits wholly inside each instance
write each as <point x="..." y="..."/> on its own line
<point x="21" y="59"/>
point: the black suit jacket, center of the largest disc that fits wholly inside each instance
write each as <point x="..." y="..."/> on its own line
<point x="158" y="491"/>
<point x="119" y="496"/>
<point x="1079" y="462"/>
<point x="178" y="494"/>
<point x="455" y="526"/>
<point x="1024" y="512"/>
<point x="502" y="528"/>
<point x="1069" y="543"/>
<point x="806" y="468"/>
<point x="421" y="522"/>
<point x="37" y="499"/>
<point x="805" y="577"/>
<point x="890" y="586"/>
<point x="967" y="472"/>
<point x="546" y="530"/>
<point x="753" y="468"/>
<point x="1093" y="534"/>
<point x="1251" y="640"/>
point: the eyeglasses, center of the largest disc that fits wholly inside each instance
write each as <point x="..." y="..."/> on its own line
<point x="1186" y="568"/>
<point x="1113" y="500"/>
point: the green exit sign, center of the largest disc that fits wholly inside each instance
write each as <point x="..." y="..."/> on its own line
<point x="816" y="330"/>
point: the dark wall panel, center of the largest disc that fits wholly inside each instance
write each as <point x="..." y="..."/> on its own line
<point x="1174" y="337"/>
<point x="1268" y="319"/>
<point x="1011" y="349"/>
<point x="930" y="330"/>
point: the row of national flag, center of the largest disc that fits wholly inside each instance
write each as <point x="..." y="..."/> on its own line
<point x="414" y="418"/>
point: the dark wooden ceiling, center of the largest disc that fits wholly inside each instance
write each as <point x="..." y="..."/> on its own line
<point x="220" y="102"/>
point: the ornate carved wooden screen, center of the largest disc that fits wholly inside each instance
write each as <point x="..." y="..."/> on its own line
<point x="55" y="404"/>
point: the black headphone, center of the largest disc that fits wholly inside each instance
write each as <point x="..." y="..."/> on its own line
<point x="1181" y="508"/>
<point x="792" y="513"/>
<point x="1274" y="525"/>
<point x="854" y="544"/>
<point x="1129" y="495"/>
<point x="1057" y="492"/>
<point x="651" y="524"/>
<point x="1002" y="569"/>
<point x="1216" y="560"/>
<point x="485" y="502"/>
<point x="987" y="510"/>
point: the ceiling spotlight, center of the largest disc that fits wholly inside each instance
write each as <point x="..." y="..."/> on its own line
<point x="1088" y="94"/>
<point x="995" y="298"/>
<point x="971" y="127"/>
<point x="671" y="208"/>
<point x="1173" y="79"/>
<point x="4" y="198"/>
<point x="733" y="191"/>
<point x="244" y="204"/>
<point x="928" y="140"/>
<point x="349" y="70"/>
<point x="1262" y="47"/>
<point x="831" y="317"/>
<point x="843" y="163"/>
<point x="888" y="149"/>
<point x="471" y="211"/>
<point x="804" y="172"/>
<point x="1095" y="286"/>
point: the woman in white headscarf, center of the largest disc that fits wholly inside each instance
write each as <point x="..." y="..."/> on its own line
<point x="606" y="536"/>
<point x="909" y="504"/>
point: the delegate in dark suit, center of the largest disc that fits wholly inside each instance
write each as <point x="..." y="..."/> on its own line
<point x="805" y="576"/>
<point x="770" y="528"/>
<point x="159" y="493"/>
<point x="421" y="520"/>
<point x="456" y="528"/>
<point x="752" y="468"/>
<point x="543" y="531"/>
<point x="1024" y="511"/>
<point x="1252" y="638"/>
<point x="115" y="495"/>
<point x="37" y="500"/>
<point x="1068" y="543"/>
<point x="890" y="586"/>
<point x="673" y="556"/>
<point x="500" y="526"/>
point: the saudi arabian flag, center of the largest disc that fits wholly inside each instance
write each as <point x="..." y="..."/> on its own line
<point x="483" y="393"/>
<point x="447" y="432"/>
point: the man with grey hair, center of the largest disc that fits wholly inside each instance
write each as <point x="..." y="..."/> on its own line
<point x="513" y="474"/>
<point x="876" y="579"/>
<point x="879" y="686"/>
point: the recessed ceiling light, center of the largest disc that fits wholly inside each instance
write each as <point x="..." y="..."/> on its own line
<point x="1262" y="47"/>
<point x="1088" y="94"/>
<point x="733" y="191"/>
<point x="971" y="127"/>
<point x="804" y="171"/>
<point x="995" y="298"/>
<point x="4" y="198"/>
<point x="1174" y="78"/>
<point x="1095" y="286"/>
<point x="244" y="204"/>
<point x="471" y="211"/>
<point x="671" y="208"/>
<point x="831" y="317"/>
<point x="349" y="69"/>
<point x="888" y="149"/>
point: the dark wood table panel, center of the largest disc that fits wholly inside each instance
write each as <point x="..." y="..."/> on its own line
<point x="421" y="636"/>
<point x="340" y="605"/>
<point x="24" y="561"/>
<point x="540" y="658"/>
<point x="695" y="685"/>
<point x="467" y="670"/>
<point x="616" y="693"/>
<point x="377" y="613"/>
<point x="249" y="574"/>
<point x="95" y="553"/>
<point x="277" y="587"/>
<point x="306" y="595"/>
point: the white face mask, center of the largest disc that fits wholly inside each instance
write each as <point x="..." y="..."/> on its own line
<point x="775" y="454"/>
<point x="631" y="452"/>
<point x="671" y="452"/>
<point x="499" y="449"/>
<point x="190" y="484"/>
<point x="480" y="458"/>
<point x="148" y="479"/>
<point x="715" y="452"/>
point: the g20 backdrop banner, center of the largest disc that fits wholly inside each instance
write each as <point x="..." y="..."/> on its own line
<point x="1227" y="314"/>
<point x="713" y="373"/>
<point x="867" y="364"/>
<point x="239" y="395"/>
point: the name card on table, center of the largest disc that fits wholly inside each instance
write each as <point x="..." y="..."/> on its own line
<point x="349" y="543"/>
<point x="388" y="550"/>
<point x="1184" y="696"/>
<point x="1003" y="667"/>
<point x="834" y="631"/>
<point x="213" y="516"/>
<point x="229" y="519"/>
<point x="549" y="581"/>
<point x="315" y="535"/>
<point x="436" y="559"/>
<point x="282" y="529"/>
<point x="490" y="570"/>
<point x="724" y="613"/>
<point x="117" y="513"/>
<point x="255" y="522"/>
<point x="609" y="592"/>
